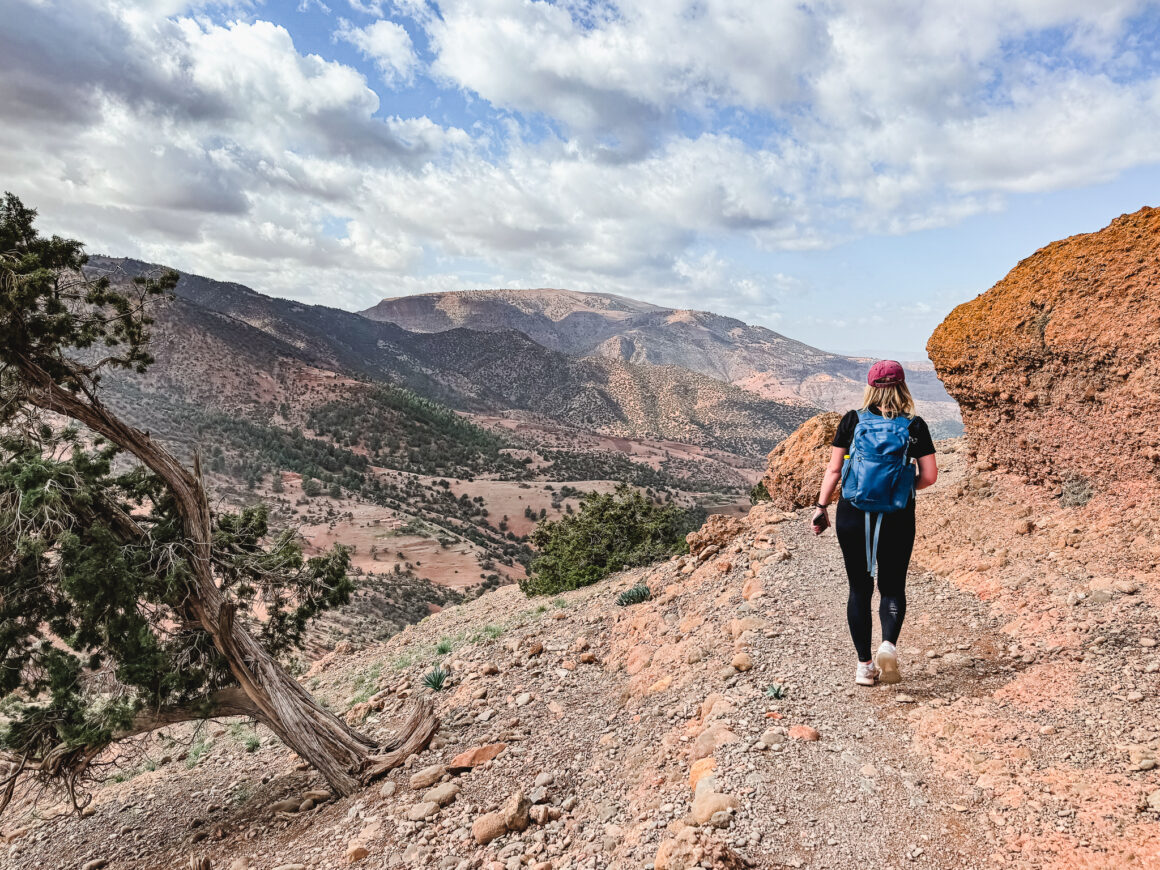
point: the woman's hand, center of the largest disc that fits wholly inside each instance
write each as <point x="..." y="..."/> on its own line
<point x="820" y="521"/>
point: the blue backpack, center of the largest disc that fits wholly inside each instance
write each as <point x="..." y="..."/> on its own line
<point x="877" y="477"/>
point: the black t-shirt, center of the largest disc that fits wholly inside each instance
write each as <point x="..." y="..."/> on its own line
<point x="921" y="444"/>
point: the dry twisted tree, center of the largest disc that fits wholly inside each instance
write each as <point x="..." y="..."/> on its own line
<point x="125" y="603"/>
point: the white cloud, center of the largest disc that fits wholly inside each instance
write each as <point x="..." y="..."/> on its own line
<point x="614" y="73"/>
<point x="387" y="44"/>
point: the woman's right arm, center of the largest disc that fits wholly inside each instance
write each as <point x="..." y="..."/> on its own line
<point x="833" y="475"/>
<point x="821" y="519"/>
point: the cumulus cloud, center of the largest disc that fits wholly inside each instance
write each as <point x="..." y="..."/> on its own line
<point x="387" y="44"/>
<point x="603" y="145"/>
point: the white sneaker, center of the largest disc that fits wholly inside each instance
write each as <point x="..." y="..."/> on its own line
<point x="867" y="674"/>
<point x="887" y="661"/>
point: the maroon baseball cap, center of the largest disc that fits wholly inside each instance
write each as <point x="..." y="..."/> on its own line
<point x="885" y="373"/>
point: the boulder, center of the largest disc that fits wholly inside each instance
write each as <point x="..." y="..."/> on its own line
<point x="707" y="801"/>
<point x="422" y="810"/>
<point x="793" y="474"/>
<point x="742" y="661"/>
<point x="356" y="852"/>
<point x="709" y="804"/>
<point x="804" y="732"/>
<point x="442" y="794"/>
<point x="1057" y="367"/>
<point x="717" y="531"/>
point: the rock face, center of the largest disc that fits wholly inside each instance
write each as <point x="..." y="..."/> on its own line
<point x="794" y="473"/>
<point x="1057" y="367"/>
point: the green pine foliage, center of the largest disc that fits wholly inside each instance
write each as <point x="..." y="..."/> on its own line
<point x="610" y="532"/>
<point x="405" y="432"/>
<point x="120" y="639"/>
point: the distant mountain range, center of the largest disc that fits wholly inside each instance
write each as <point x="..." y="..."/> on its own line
<point x="226" y="346"/>
<point x="606" y="326"/>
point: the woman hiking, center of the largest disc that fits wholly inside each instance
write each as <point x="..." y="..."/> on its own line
<point x="882" y="454"/>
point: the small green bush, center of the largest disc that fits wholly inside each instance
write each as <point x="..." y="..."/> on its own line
<point x="638" y="593"/>
<point x="759" y="493"/>
<point x="776" y="691"/>
<point x="610" y="532"/>
<point x="444" y="646"/>
<point x="435" y="678"/>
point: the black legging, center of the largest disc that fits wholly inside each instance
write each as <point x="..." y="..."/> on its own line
<point x="895" y="542"/>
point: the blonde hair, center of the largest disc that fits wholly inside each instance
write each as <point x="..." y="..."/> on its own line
<point x="892" y="401"/>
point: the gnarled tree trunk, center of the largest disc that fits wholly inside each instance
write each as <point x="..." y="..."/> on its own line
<point x="344" y="757"/>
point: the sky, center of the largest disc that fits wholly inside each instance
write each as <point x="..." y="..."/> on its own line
<point x="842" y="172"/>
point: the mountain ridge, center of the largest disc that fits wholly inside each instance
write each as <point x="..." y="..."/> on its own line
<point x="585" y="324"/>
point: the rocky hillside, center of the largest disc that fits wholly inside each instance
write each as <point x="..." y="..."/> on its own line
<point x="603" y="325"/>
<point x="1057" y="367"/>
<point x="713" y="726"/>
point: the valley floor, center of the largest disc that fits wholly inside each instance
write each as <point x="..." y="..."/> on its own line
<point x="608" y="715"/>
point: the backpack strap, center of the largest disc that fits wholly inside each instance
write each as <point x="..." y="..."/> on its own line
<point x="872" y="521"/>
<point x="874" y="549"/>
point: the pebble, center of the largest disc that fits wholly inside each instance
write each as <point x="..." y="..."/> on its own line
<point x="742" y="661"/>
<point x="488" y="827"/>
<point x="422" y="810"/>
<point x="442" y="794"/>
<point x="428" y="776"/>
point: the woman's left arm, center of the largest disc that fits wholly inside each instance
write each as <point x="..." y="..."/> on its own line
<point x="927" y="471"/>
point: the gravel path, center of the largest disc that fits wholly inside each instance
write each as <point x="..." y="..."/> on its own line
<point x="860" y="796"/>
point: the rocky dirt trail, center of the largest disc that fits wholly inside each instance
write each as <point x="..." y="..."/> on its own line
<point x="582" y="734"/>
